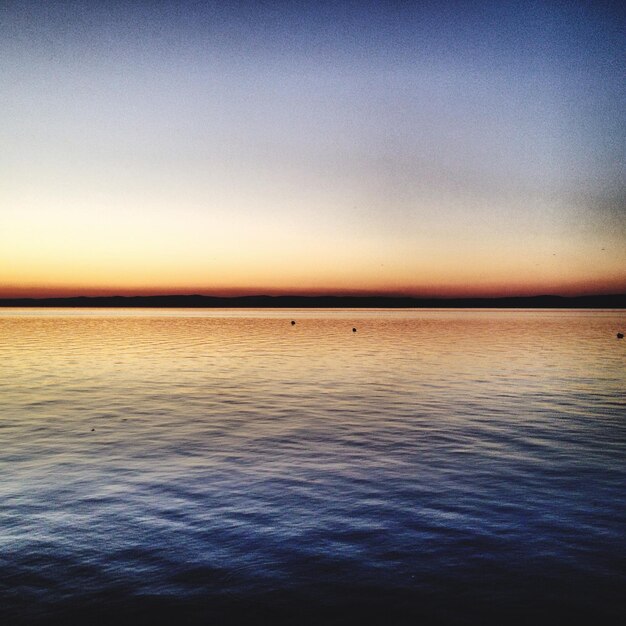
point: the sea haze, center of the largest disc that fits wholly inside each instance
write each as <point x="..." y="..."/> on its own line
<point x="228" y="466"/>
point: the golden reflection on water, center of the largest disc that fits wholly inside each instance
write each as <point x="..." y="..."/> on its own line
<point x="221" y="453"/>
<point x="452" y="334"/>
<point x="430" y="352"/>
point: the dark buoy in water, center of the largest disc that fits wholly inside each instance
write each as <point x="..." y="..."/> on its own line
<point x="354" y="330"/>
<point x="620" y="335"/>
<point x="93" y="429"/>
<point x="293" y="323"/>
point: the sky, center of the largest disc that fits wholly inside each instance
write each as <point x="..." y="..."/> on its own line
<point x="419" y="148"/>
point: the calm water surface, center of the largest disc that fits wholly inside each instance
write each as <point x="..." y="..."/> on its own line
<point x="224" y="466"/>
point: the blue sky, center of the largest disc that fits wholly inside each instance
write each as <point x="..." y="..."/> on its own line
<point x="239" y="147"/>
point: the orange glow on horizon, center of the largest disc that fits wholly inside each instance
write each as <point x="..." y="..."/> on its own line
<point x="137" y="168"/>
<point x="484" y="290"/>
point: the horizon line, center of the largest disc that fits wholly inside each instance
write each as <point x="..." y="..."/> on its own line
<point x="613" y="300"/>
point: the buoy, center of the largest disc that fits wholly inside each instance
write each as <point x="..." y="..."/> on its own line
<point x="620" y="335"/>
<point x="293" y="323"/>
<point x="354" y="330"/>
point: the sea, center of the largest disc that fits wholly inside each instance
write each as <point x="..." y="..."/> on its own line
<point x="230" y="466"/>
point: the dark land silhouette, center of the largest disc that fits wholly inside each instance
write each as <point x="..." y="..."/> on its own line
<point x="613" y="301"/>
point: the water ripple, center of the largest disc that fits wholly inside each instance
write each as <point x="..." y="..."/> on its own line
<point x="443" y="466"/>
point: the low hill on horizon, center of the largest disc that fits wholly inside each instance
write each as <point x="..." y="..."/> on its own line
<point x="612" y="301"/>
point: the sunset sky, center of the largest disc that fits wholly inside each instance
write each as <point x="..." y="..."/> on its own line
<point x="432" y="148"/>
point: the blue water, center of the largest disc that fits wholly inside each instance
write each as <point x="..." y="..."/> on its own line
<point x="224" y="466"/>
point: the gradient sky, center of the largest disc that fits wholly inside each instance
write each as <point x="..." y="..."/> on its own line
<point x="426" y="148"/>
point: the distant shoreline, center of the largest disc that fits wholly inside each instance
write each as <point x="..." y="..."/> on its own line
<point x="613" y="301"/>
